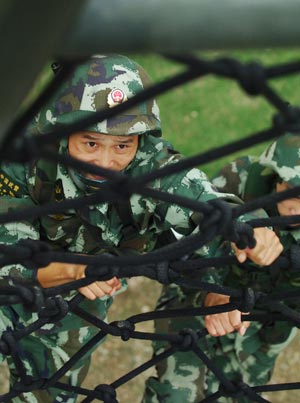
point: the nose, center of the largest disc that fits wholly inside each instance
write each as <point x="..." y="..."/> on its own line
<point x="104" y="159"/>
<point x="294" y="210"/>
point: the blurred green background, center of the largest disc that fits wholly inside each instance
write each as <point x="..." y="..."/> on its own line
<point x="210" y="111"/>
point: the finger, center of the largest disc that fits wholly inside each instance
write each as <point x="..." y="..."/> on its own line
<point x="112" y="281"/>
<point x="220" y="324"/>
<point x="111" y="293"/>
<point x="225" y="328"/>
<point x="99" y="288"/>
<point x="259" y="255"/>
<point x="245" y="325"/>
<point x="273" y="253"/>
<point x="226" y="323"/>
<point x="106" y="288"/>
<point x="242" y="330"/>
<point x="265" y="257"/>
<point x="235" y="319"/>
<point x="117" y="283"/>
<point x="268" y="246"/>
<point x="241" y="256"/>
<point x="210" y="326"/>
<point x="87" y="293"/>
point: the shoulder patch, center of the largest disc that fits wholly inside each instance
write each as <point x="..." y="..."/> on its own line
<point x="59" y="191"/>
<point x="8" y="187"/>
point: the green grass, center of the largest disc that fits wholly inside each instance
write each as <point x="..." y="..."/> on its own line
<point x="210" y="111"/>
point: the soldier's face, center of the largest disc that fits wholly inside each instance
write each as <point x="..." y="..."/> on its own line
<point x="103" y="150"/>
<point x="287" y="207"/>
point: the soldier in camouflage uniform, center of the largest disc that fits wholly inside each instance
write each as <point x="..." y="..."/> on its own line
<point x="129" y="143"/>
<point x="254" y="352"/>
<point x="245" y="353"/>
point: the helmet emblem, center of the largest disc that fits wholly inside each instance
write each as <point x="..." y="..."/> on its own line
<point x="115" y="97"/>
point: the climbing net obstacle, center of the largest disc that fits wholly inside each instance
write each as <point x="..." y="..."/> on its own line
<point x="170" y="264"/>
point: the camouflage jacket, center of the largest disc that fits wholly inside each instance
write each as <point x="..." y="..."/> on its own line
<point x="96" y="229"/>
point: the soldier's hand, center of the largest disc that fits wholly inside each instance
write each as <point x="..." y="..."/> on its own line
<point x="100" y="288"/>
<point x="220" y="324"/>
<point x="57" y="273"/>
<point x="268" y="248"/>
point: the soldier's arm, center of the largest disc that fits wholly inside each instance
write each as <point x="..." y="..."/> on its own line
<point x="196" y="186"/>
<point x="57" y="273"/>
<point x="14" y="196"/>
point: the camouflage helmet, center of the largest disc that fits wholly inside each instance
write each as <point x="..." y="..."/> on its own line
<point x="283" y="158"/>
<point x="99" y="83"/>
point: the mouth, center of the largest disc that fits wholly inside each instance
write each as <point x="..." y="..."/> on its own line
<point x="294" y="225"/>
<point x="98" y="178"/>
<point x="95" y="177"/>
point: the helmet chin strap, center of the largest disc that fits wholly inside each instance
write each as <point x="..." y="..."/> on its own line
<point x="86" y="184"/>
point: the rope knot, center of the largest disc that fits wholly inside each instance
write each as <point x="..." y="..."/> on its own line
<point x="294" y="259"/>
<point x="235" y="390"/>
<point x="126" y="328"/>
<point x="55" y="308"/>
<point x="32" y="296"/>
<point x="7" y="342"/>
<point x="37" y="252"/>
<point x="287" y="120"/>
<point x="119" y="188"/>
<point x="162" y="271"/>
<point x="28" y="384"/>
<point x="96" y="272"/>
<point x="102" y="272"/>
<point x="4" y="348"/>
<point x="218" y="218"/>
<point x="4" y="344"/>
<point x="242" y="234"/>
<point x="246" y="301"/>
<point x="108" y="393"/>
<point x="252" y="78"/>
<point x="188" y="340"/>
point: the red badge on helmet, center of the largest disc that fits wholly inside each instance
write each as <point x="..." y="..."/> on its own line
<point x="116" y="97"/>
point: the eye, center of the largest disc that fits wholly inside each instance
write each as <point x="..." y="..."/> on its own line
<point x="122" y="146"/>
<point x="91" y="144"/>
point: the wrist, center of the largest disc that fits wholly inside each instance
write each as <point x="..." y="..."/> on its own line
<point x="57" y="273"/>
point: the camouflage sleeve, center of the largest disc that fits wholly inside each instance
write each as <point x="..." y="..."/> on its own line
<point x="194" y="185"/>
<point x="14" y="197"/>
<point x="233" y="176"/>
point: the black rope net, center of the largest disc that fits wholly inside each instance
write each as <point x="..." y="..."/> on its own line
<point x="164" y="265"/>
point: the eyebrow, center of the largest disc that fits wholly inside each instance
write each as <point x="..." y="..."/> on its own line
<point x="118" y="139"/>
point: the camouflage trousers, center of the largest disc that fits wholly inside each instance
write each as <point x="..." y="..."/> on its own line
<point x="42" y="353"/>
<point x="183" y="377"/>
